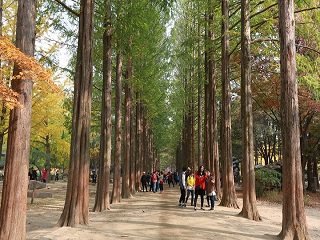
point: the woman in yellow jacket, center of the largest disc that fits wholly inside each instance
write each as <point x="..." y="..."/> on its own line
<point x="190" y="187"/>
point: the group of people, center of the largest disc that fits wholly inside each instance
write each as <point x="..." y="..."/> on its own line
<point x="197" y="184"/>
<point x="154" y="181"/>
<point x="43" y="175"/>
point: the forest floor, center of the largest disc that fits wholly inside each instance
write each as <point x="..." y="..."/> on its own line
<point x="150" y="215"/>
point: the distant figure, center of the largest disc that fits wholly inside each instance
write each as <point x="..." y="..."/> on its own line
<point x="161" y="181"/>
<point x="44" y="175"/>
<point x="170" y="179"/>
<point x="183" y="187"/>
<point x="93" y="176"/>
<point x="57" y="175"/>
<point x="176" y="177"/>
<point x="144" y="181"/>
<point x="154" y="179"/>
<point x="149" y="181"/>
<point x="32" y="174"/>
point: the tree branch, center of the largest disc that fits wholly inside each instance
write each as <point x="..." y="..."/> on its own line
<point x="277" y="40"/>
<point x="69" y="9"/>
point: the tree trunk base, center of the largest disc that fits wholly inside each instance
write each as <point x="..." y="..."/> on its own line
<point x="252" y="215"/>
<point x="294" y="233"/>
<point x="229" y="204"/>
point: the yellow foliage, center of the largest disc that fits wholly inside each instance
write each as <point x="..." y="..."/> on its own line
<point x="48" y="116"/>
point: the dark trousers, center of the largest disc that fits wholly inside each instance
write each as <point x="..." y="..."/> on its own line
<point x="201" y="193"/>
<point x="183" y="195"/>
<point x="212" y="198"/>
<point x="144" y="186"/>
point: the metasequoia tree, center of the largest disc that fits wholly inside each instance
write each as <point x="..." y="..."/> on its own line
<point x="212" y="108"/>
<point x="126" y="193"/>
<point x="15" y="185"/>
<point x="116" y="191"/>
<point x="249" y="209"/>
<point x="102" y="200"/>
<point x="293" y="214"/>
<point x="229" y="197"/>
<point x="76" y="208"/>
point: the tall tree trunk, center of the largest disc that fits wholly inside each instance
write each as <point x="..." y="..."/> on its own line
<point x="133" y="163"/>
<point x="249" y="209"/>
<point x="76" y="208"/>
<point x="48" y="157"/>
<point x="102" y="200"/>
<point x="127" y="136"/>
<point x="229" y="197"/>
<point x="138" y="142"/>
<point x="293" y="215"/>
<point x="200" y="134"/>
<point x="116" y="191"/>
<point x="15" y="184"/>
<point x="213" y="104"/>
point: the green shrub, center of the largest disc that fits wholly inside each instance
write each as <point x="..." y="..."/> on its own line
<point x="267" y="179"/>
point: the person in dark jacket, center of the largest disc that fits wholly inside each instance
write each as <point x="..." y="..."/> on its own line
<point x="144" y="181"/>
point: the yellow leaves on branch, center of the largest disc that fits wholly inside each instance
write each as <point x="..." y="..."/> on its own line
<point x="31" y="69"/>
<point x="9" y="96"/>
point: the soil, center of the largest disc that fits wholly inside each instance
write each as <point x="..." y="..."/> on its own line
<point x="150" y="215"/>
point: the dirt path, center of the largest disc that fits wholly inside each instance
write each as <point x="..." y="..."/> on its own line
<point x="157" y="216"/>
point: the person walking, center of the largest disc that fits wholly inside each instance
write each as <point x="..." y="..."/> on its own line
<point x="183" y="187"/>
<point x="200" y="186"/>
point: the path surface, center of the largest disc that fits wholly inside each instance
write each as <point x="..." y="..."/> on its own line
<point x="157" y="216"/>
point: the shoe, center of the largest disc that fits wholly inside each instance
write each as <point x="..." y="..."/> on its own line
<point x="211" y="209"/>
<point x="184" y="205"/>
<point x="207" y="205"/>
<point x="195" y="208"/>
<point x="202" y="209"/>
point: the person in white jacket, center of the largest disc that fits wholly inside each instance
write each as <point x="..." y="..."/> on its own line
<point x="183" y="187"/>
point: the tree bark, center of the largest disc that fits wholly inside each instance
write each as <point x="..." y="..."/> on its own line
<point x="293" y="215"/>
<point x="116" y="191"/>
<point x="15" y="184"/>
<point x="102" y="200"/>
<point x="229" y="197"/>
<point x="138" y="142"/>
<point x="76" y="208"/>
<point x="127" y="136"/>
<point x="249" y="209"/>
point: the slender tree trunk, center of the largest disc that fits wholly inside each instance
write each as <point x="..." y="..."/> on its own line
<point x="249" y="209"/>
<point x="138" y="142"/>
<point x="200" y="134"/>
<point x="229" y="197"/>
<point x="102" y="200"/>
<point x="76" y="208"/>
<point x="15" y="184"/>
<point x="133" y="163"/>
<point x="116" y="191"/>
<point x="127" y="136"/>
<point x="293" y="215"/>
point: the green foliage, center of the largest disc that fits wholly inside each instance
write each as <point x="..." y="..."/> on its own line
<point x="267" y="179"/>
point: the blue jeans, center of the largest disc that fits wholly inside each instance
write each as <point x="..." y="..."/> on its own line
<point x="190" y="191"/>
<point x="154" y="188"/>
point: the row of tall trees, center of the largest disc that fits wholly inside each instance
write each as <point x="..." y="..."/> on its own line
<point x="255" y="54"/>
<point x="121" y="34"/>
